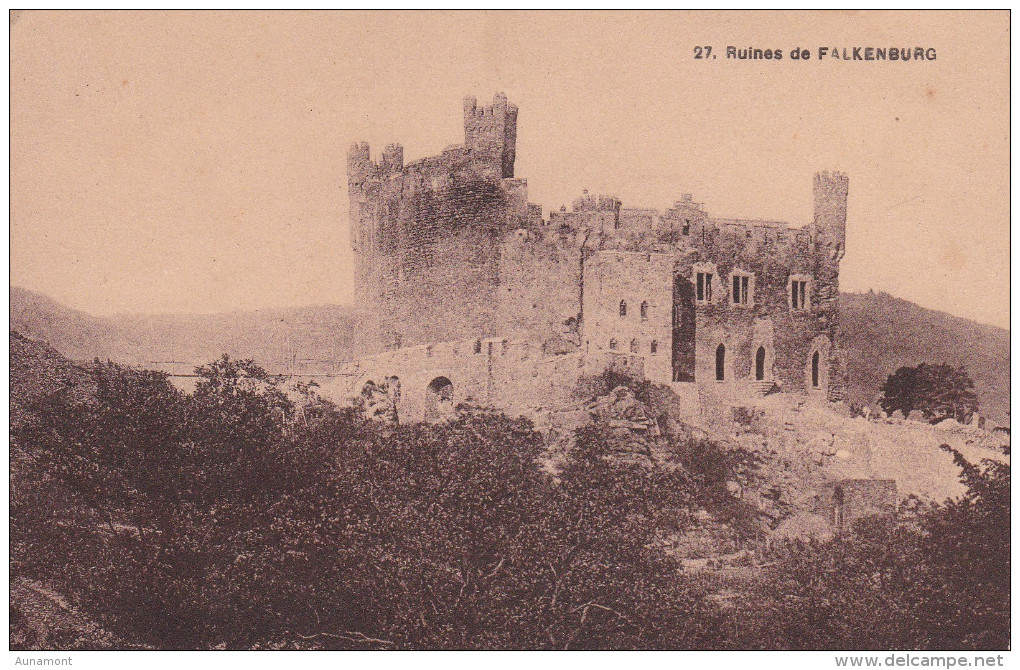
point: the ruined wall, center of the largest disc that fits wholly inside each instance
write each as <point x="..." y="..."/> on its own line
<point x="426" y="235"/>
<point x="773" y="256"/>
<point x="770" y="254"/>
<point x="511" y="375"/>
<point x="635" y="278"/>
<point x="540" y="285"/>
<point x="449" y="248"/>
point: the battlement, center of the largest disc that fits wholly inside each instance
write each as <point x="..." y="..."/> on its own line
<point x="361" y="165"/>
<point x="499" y="106"/>
<point x="393" y="158"/>
<point x="592" y="203"/>
<point x="831" y="177"/>
<point x="491" y="131"/>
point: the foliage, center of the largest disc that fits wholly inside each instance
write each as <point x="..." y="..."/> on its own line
<point x="225" y="518"/>
<point x="937" y="391"/>
<point x="228" y="518"/>
<point x="934" y="579"/>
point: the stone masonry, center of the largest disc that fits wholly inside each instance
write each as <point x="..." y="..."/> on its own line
<point x="481" y="294"/>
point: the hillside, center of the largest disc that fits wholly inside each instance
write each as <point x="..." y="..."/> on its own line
<point x="36" y="370"/>
<point x="880" y="333"/>
<point x="283" y="340"/>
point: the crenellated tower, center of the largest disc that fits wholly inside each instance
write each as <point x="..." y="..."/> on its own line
<point x="491" y="131"/>
<point x="424" y="232"/>
<point x="830" y="192"/>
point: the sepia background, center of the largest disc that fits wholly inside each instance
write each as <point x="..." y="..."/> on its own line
<point x="194" y="162"/>
<point x="211" y="450"/>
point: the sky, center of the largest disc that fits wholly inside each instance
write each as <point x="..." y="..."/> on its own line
<point x="195" y="161"/>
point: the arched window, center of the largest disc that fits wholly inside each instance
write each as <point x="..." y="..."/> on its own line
<point x="623" y="308"/>
<point x="612" y="345"/>
<point x="478" y="346"/>
<point x="654" y="347"/>
<point x="759" y="364"/>
<point x="633" y="346"/>
<point x="720" y="363"/>
<point x="814" y="369"/>
<point x="644" y="310"/>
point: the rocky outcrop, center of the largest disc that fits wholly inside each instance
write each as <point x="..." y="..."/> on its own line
<point x="631" y="423"/>
<point x="378" y="403"/>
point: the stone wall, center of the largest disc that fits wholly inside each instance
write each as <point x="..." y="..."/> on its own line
<point x="426" y="235"/>
<point x="449" y="249"/>
<point x="540" y="285"/>
<point x="511" y="375"/>
<point x="634" y="279"/>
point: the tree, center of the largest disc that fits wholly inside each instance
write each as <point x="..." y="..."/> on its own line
<point x="937" y="391"/>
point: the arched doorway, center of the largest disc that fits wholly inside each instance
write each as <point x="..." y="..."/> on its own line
<point x="759" y="364"/>
<point x="720" y="363"/>
<point x="438" y="399"/>
<point x="839" y="507"/>
<point x="815" y="358"/>
<point x="683" y="329"/>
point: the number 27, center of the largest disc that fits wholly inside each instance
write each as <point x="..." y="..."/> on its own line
<point x="702" y="52"/>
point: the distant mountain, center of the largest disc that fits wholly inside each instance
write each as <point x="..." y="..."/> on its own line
<point x="879" y="332"/>
<point x="297" y="339"/>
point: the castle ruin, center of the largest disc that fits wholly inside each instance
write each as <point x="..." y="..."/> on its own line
<point x="481" y="299"/>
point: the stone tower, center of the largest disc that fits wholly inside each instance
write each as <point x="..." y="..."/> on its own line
<point x="491" y="132"/>
<point x="425" y="234"/>
<point x="829" y="230"/>
<point x="830" y="192"/>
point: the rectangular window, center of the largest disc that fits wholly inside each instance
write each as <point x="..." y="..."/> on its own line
<point x="704" y="287"/>
<point x="741" y="290"/>
<point x="798" y="294"/>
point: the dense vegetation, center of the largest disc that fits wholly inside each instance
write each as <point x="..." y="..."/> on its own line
<point x="937" y="577"/>
<point x="937" y="391"/>
<point x="233" y="517"/>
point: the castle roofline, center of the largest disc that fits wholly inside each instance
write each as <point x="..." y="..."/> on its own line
<point x="755" y="223"/>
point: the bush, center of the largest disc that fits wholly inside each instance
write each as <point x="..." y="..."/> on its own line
<point x="225" y="518"/>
